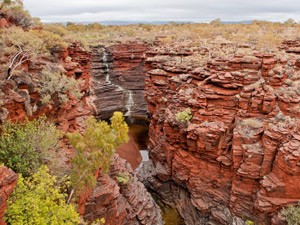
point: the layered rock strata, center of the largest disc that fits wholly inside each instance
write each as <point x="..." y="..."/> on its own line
<point x="120" y="198"/>
<point x="117" y="202"/>
<point x="117" y="83"/>
<point x="20" y="99"/>
<point x="238" y="158"/>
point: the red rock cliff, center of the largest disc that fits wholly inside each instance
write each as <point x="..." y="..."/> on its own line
<point x="124" y="202"/>
<point x="8" y="181"/>
<point x="238" y="157"/>
<point x="118" y="203"/>
<point x="21" y="100"/>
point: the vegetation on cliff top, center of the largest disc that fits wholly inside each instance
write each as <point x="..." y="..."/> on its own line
<point x="261" y="35"/>
<point x="23" y="147"/>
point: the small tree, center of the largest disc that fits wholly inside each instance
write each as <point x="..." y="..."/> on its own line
<point x="95" y="148"/>
<point x="216" y="22"/>
<point x="21" y="46"/>
<point x="37" y="201"/>
<point x="290" y="22"/>
<point x="24" y="146"/>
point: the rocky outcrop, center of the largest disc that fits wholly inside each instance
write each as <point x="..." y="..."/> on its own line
<point x="117" y="202"/>
<point x="238" y="157"/>
<point x="120" y="198"/>
<point x="20" y="98"/>
<point x="8" y="181"/>
<point x="117" y="83"/>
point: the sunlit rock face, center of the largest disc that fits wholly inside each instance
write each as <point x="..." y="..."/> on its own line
<point x="238" y="157"/>
<point x="118" y="77"/>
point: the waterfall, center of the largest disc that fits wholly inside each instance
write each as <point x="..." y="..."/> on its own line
<point x="145" y="155"/>
<point x="107" y="81"/>
<point x="106" y="67"/>
<point x="129" y="103"/>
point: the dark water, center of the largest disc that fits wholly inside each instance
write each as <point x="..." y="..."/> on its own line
<point x="139" y="131"/>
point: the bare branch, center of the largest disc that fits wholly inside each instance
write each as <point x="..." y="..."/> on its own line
<point x="16" y="60"/>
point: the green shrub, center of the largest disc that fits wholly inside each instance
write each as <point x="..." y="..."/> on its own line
<point x="249" y="222"/>
<point x="292" y="214"/>
<point x="51" y="40"/>
<point x="37" y="201"/>
<point x="53" y="84"/>
<point x="14" y="38"/>
<point x="24" y="146"/>
<point x="184" y="116"/>
<point x="98" y="222"/>
<point x="19" y="45"/>
<point x="123" y="178"/>
<point x="94" y="148"/>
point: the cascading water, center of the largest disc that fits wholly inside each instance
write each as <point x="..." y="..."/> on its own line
<point x="129" y="103"/>
<point x="109" y="85"/>
<point x="107" y="71"/>
<point x="106" y="67"/>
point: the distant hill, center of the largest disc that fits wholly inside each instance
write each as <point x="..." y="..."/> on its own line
<point x="123" y="23"/>
<point x="238" y="22"/>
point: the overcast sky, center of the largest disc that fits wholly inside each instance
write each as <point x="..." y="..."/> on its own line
<point x="163" y="10"/>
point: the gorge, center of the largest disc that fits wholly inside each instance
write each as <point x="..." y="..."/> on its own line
<point x="238" y="157"/>
<point x="235" y="158"/>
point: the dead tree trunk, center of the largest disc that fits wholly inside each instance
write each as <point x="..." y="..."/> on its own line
<point x="15" y="61"/>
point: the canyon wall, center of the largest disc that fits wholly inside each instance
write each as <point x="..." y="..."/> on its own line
<point x="114" y="85"/>
<point x="117" y="83"/>
<point x="238" y="158"/>
<point x="20" y="99"/>
<point x="120" y="198"/>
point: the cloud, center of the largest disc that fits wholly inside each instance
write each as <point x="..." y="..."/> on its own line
<point x="156" y="10"/>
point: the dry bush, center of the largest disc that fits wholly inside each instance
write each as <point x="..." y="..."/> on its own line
<point x="53" y="85"/>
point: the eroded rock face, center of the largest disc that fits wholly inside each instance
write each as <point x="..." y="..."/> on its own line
<point x="19" y="98"/>
<point x="118" y="75"/>
<point x="118" y="203"/>
<point x="8" y="181"/>
<point x="239" y="155"/>
<point x="121" y="201"/>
